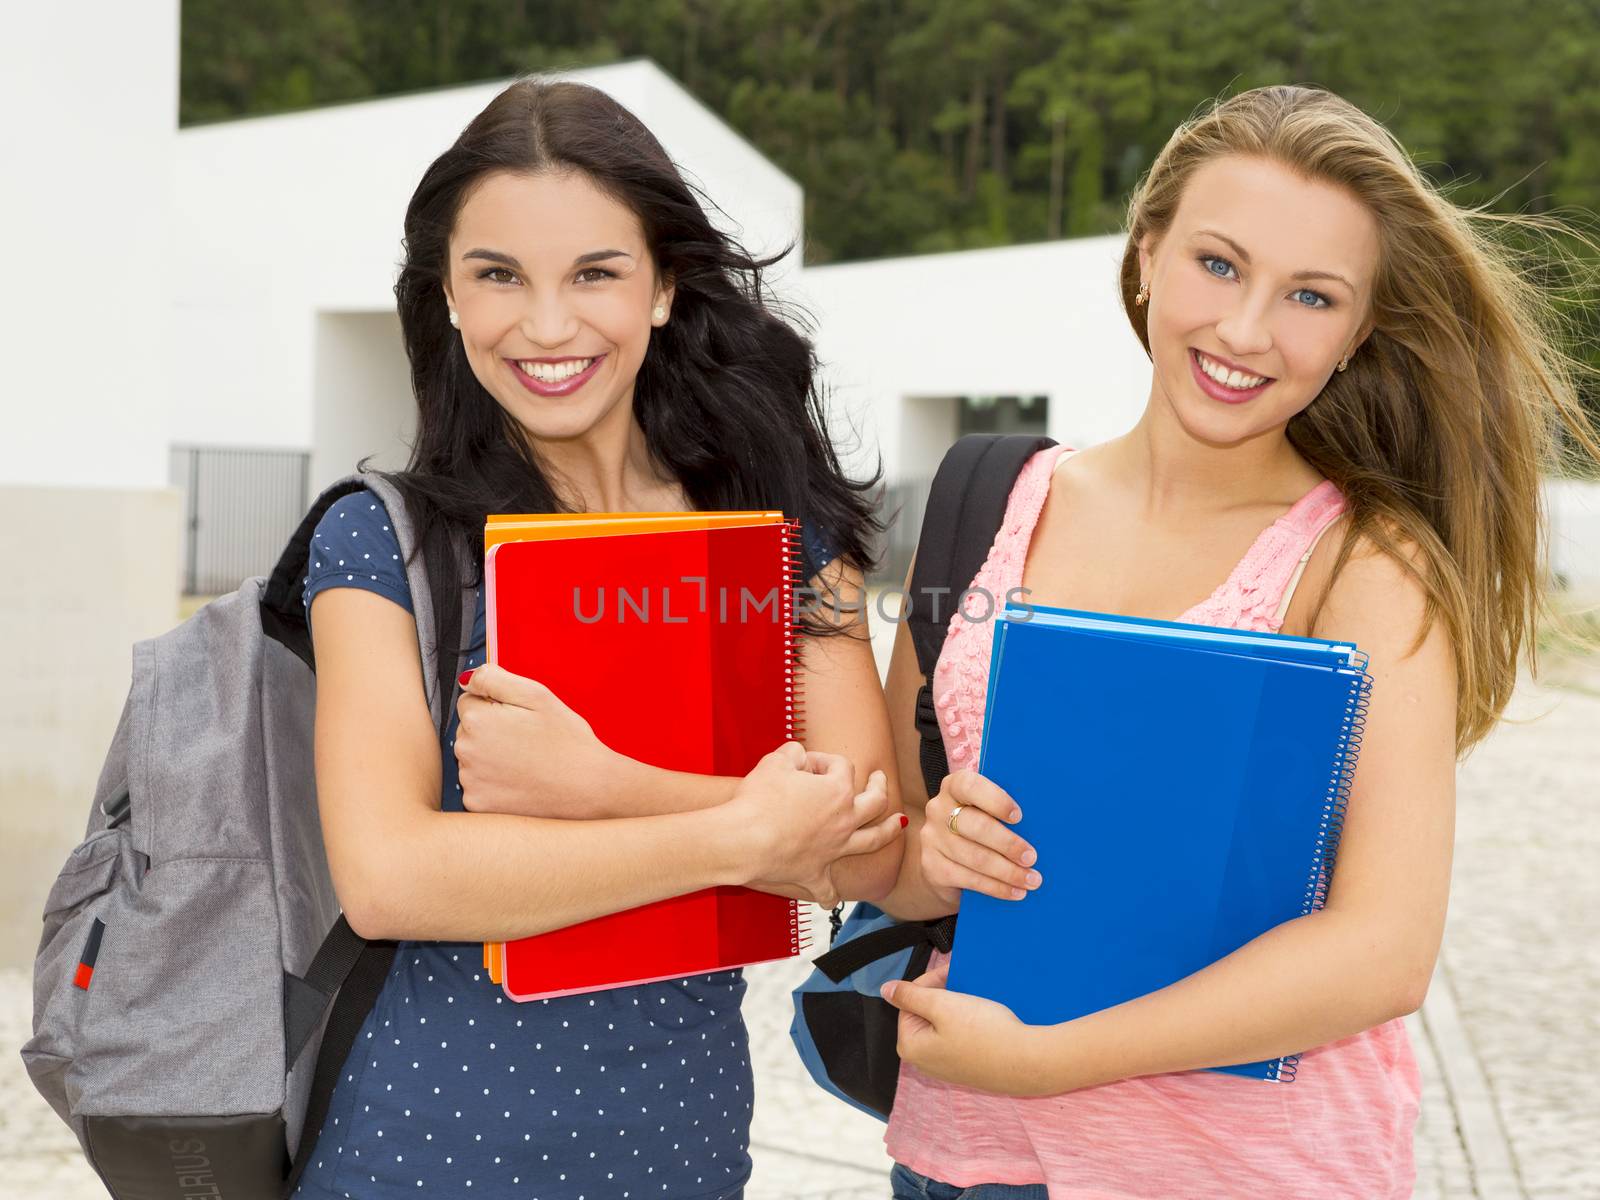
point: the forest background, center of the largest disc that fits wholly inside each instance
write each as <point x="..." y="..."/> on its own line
<point x="919" y="126"/>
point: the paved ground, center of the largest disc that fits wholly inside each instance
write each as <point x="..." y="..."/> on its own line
<point x="1509" y="1039"/>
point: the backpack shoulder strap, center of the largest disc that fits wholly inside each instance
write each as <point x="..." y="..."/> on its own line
<point x="283" y="616"/>
<point x="966" y="505"/>
<point x="348" y="971"/>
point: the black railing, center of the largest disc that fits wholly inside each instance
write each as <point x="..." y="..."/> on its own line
<point x="240" y="506"/>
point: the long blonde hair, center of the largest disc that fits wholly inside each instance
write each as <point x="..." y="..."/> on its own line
<point x="1445" y="421"/>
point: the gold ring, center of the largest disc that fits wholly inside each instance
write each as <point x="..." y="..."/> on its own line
<point x="954" y="813"/>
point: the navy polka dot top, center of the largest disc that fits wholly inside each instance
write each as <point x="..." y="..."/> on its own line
<point x="453" y="1090"/>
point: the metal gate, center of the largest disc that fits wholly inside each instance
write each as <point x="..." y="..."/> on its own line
<point x="240" y="506"/>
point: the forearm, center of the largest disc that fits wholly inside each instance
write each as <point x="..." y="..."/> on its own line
<point x="452" y="876"/>
<point x="869" y="877"/>
<point x="642" y="790"/>
<point x="910" y="898"/>
<point x="1298" y="986"/>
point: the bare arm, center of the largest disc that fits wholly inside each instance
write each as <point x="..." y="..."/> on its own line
<point x="910" y="899"/>
<point x="404" y="868"/>
<point x="935" y="864"/>
<point x="845" y="714"/>
<point x="1364" y="959"/>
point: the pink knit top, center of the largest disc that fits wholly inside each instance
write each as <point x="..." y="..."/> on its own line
<point x="1342" y="1128"/>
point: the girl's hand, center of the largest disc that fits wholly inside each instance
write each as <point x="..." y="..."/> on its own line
<point x="982" y="855"/>
<point x="801" y="811"/>
<point x="965" y="1039"/>
<point x="524" y="752"/>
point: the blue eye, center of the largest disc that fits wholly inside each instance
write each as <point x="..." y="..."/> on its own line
<point x="1208" y="261"/>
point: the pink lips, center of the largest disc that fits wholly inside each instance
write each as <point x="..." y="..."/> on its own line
<point x="1216" y="390"/>
<point x="564" y="388"/>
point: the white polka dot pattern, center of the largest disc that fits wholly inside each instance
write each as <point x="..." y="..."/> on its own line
<point x="454" y="1090"/>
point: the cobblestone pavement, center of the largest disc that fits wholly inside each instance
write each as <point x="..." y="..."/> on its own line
<point x="1508" y="1040"/>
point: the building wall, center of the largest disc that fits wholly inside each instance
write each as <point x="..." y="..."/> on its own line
<point x="1574" y="508"/>
<point x="88" y="529"/>
<point x="361" y="395"/>
<point x="900" y="337"/>
<point x="86" y="203"/>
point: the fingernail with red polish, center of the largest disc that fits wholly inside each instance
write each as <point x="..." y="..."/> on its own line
<point x="904" y="820"/>
<point x="465" y="677"/>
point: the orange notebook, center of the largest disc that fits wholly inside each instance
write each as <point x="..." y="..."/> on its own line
<point x="674" y="635"/>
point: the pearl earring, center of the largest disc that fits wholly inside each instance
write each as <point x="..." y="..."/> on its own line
<point x="659" y="312"/>
<point x="455" y="321"/>
<point x="1143" y="294"/>
<point x="1343" y="363"/>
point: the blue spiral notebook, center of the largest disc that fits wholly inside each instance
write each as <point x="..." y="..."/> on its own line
<point x="1185" y="787"/>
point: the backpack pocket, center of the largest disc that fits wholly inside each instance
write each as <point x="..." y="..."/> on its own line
<point x="181" y="1040"/>
<point x="61" y="976"/>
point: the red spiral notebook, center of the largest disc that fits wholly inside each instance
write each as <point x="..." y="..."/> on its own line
<point x="678" y="646"/>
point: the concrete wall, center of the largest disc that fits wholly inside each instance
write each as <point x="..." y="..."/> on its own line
<point x="94" y="570"/>
<point x="1574" y="507"/>
<point x="901" y="336"/>
<point x="361" y="396"/>
<point x="88" y="530"/>
<point x="86" y="204"/>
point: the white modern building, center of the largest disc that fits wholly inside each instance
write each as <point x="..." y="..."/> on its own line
<point x="290" y="237"/>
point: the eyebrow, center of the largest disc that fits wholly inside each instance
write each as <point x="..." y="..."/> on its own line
<point x="583" y="260"/>
<point x="1245" y="255"/>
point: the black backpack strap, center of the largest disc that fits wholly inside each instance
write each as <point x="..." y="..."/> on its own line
<point x="966" y="505"/>
<point x="843" y="961"/>
<point x="347" y="970"/>
<point x="283" y="613"/>
<point x="363" y="965"/>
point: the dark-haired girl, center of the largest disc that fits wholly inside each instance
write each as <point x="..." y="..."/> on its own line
<point x="581" y="339"/>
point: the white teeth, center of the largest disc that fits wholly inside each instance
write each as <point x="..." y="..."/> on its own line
<point x="1233" y="379"/>
<point x="555" y="372"/>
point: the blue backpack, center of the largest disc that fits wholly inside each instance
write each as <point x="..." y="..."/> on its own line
<point x="845" y="1031"/>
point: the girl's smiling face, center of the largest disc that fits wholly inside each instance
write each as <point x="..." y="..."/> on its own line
<point x="1263" y="282"/>
<point x="555" y="292"/>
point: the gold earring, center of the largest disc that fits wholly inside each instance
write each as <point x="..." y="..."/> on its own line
<point x="455" y="321"/>
<point x="1343" y="363"/>
<point x="1143" y="294"/>
<point x="659" y="313"/>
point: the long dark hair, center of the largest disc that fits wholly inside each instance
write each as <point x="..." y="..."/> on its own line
<point x="727" y="395"/>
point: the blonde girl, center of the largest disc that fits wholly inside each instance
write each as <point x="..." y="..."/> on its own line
<point x="1355" y="392"/>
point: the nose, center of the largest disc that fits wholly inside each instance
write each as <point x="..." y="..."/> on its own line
<point x="1243" y="329"/>
<point x="548" y="321"/>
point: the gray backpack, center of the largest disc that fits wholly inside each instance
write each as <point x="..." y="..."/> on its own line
<point x="193" y="945"/>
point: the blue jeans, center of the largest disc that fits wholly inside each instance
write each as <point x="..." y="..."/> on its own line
<point x="908" y="1185"/>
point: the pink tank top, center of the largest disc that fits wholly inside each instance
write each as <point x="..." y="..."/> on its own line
<point x="1342" y="1129"/>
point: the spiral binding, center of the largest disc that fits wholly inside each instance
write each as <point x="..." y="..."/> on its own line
<point x="799" y="928"/>
<point x="794" y="696"/>
<point x="1336" y="803"/>
<point x="793" y="631"/>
